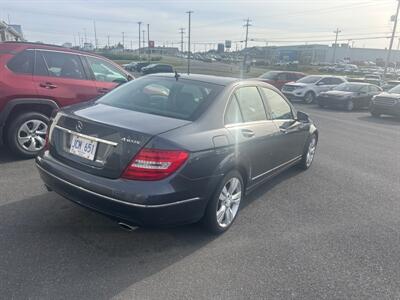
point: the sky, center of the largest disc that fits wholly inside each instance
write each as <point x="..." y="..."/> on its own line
<point x="364" y="23"/>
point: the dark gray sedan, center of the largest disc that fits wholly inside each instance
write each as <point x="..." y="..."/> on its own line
<point x="170" y="149"/>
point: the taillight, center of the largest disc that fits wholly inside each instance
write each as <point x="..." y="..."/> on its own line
<point x="154" y="164"/>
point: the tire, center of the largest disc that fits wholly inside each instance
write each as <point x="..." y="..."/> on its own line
<point x="26" y="134"/>
<point x="309" y="97"/>
<point x="306" y="161"/>
<point x="349" y="105"/>
<point x="375" y="114"/>
<point x="217" y="202"/>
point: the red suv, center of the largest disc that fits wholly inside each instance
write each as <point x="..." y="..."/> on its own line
<point x="279" y="78"/>
<point x="35" y="79"/>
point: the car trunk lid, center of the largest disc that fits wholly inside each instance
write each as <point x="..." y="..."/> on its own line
<point x="118" y="134"/>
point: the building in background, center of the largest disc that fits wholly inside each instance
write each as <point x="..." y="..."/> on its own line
<point x="10" y="32"/>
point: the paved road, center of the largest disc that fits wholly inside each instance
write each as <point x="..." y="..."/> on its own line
<point x="332" y="232"/>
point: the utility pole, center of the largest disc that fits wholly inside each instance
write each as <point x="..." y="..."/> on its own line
<point x="84" y="30"/>
<point x="79" y="39"/>
<point x="335" y="45"/>
<point x="74" y="39"/>
<point x="247" y="25"/>
<point x="131" y="44"/>
<point x="148" y="40"/>
<point x="144" y="42"/>
<point x="391" y="39"/>
<point x="95" y="34"/>
<point x="190" y="15"/>
<point x="108" y="41"/>
<point x="139" y="23"/>
<point x="181" y="31"/>
<point x="123" y="41"/>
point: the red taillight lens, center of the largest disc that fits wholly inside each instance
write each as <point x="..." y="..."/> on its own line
<point x="154" y="164"/>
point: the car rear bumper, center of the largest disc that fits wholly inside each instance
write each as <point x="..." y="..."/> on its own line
<point x="134" y="202"/>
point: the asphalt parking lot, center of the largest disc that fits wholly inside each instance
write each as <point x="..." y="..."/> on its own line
<point x="332" y="232"/>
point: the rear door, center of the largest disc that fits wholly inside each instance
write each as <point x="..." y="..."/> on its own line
<point x="251" y="130"/>
<point x="292" y="134"/>
<point x="106" y="75"/>
<point x="60" y="76"/>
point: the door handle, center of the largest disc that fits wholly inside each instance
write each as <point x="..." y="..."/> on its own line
<point x="47" y="85"/>
<point x="102" y="90"/>
<point x="247" y="133"/>
<point x="283" y="130"/>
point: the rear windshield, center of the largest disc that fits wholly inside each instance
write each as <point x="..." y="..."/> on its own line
<point x="309" y="79"/>
<point x="349" y="87"/>
<point x="270" y="75"/>
<point x="180" y="99"/>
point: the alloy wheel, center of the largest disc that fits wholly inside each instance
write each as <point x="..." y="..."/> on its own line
<point x="311" y="151"/>
<point x="31" y="135"/>
<point x="229" y="201"/>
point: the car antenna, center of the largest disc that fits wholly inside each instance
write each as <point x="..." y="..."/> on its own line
<point x="177" y="75"/>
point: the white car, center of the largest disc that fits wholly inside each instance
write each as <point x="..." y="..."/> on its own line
<point x="308" y="88"/>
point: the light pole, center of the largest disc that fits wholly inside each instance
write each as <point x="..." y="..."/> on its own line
<point x="188" y="66"/>
<point x="392" y="39"/>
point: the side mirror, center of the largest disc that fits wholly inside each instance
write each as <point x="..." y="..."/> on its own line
<point x="302" y="117"/>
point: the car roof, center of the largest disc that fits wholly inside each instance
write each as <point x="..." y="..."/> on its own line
<point x="30" y="45"/>
<point x="200" y="77"/>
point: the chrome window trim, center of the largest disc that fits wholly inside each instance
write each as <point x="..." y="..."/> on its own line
<point x="277" y="167"/>
<point x="114" y="199"/>
<point x="86" y="136"/>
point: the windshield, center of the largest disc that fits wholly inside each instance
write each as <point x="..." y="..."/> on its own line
<point x="270" y="75"/>
<point x="182" y="99"/>
<point x="309" y="79"/>
<point x="395" y="90"/>
<point x="349" y="87"/>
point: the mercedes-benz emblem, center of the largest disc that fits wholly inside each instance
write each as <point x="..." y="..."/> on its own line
<point x="79" y="126"/>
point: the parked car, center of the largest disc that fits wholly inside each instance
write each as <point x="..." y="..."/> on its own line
<point x="139" y="65"/>
<point x="374" y="79"/>
<point x="130" y="67"/>
<point x="157" y="68"/>
<point x="390" y="84"/>
<point x="279" y="78"/>
<point x="38" y="78"/>
<point x="169" y="150"/>
<point x="349" y="96"/>
<point x="308" y="88"/>
<point x="386" y="103"/>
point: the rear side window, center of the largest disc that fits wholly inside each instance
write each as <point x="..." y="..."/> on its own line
<point x="181" y="99"/>
<point x="251" y="104"/>
<point x="57" y="64"/>
<point x="22" y="63"/>
<point x="280" y="109"/>
<point x="232" y="114"/>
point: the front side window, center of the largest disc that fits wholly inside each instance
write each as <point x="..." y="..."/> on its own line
<point x="104" y="71"/>
<point x="22" y="63"/>
<point x="336" y="81"/>
<point x="57" y="64"/>
<point x="182" y="99"/>
<point x="280" y="109"/>
<point x="251" y="104"/>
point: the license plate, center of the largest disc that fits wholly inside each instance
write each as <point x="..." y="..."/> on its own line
<point x="83" y="147"/>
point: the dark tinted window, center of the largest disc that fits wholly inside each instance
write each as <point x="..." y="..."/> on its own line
<point x="280" y="109"/>
<point x="251" y="104"/>
<point x="232" y="114"/>
<point x="105" y="71"/>
<point x="335" y="81"/>
<point x="56" y="64"/>
<point x="22" y="62"/>
<point x="182" y="99"/>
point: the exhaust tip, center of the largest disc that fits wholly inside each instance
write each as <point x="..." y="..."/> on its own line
<point x="127" y="226"/>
